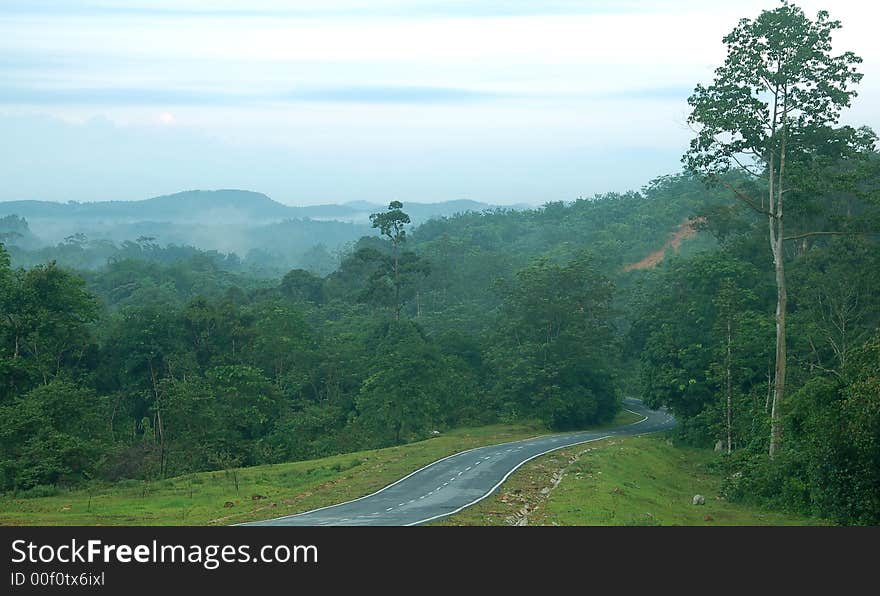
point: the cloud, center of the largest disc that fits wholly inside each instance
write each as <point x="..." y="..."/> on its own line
<point x="338" y="8"/>
<point x="36" y="96"/>
<point x="649" y="93"/>
<point x="41" y="96"/>
<point x="393" y="94"/>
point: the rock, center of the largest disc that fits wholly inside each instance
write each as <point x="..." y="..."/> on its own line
<point x="545" y="491"/>
<point x="229" y="504"/>
<point x="719" y="445"/>
<point x="699" y="500"/>
<point x="435" y="432"/>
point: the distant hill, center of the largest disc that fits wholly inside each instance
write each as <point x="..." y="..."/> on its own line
<point x="225" y="206"/>
<point x="359" y="211"/>
<point x="198" y="205"/>
<point x="225" y="220"/>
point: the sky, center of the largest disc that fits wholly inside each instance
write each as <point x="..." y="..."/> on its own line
<point x="320" y="101"/>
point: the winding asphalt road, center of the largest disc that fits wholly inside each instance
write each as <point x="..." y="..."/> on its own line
<point x="450" y="484"/>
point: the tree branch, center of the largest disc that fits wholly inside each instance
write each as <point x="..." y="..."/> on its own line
<point x="746" y="168"/>
<point x="741" y="195"/>
<point x="808" y="234"/>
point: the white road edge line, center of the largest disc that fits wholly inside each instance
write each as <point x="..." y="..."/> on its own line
<point x="637" y="414"/>
<point x="515" y="468"/>
<point x="396" y="482"/>
<point x="383" y="489"/>
<point x="500" y="482"/>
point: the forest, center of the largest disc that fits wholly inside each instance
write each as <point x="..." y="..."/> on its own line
<point x="763" y="341"/>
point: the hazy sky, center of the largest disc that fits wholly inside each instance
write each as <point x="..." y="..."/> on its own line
<point x="314" y="101"/>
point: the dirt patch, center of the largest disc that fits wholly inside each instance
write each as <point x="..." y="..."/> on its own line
<point x="686" y="229"/>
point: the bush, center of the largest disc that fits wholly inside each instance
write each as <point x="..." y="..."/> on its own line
<point x="41" y="490"/>
<point x="779" y="483"/>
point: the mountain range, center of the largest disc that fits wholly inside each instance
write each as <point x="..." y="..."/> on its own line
<point x="222" y="206"/>
<point x="225" y="220"/>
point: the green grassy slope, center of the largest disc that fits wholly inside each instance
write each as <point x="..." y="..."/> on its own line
<point x="619" y="481"/>
<point x="200" y="499"/>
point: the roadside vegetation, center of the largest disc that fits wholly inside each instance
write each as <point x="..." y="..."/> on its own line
<point x="280" y="489"/>
<point x="621" y="481"/>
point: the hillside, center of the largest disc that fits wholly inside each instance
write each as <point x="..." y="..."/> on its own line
<point x="276" y="236"/>
<point x="211" y="207"/>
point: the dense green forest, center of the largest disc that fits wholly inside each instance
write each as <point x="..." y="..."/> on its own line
<point x="166" y="360"/>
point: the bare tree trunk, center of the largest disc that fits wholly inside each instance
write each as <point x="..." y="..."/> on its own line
<point x="779" y="373"/>
<point x="160" y="429"/>
<point x="729" y="391"/>
<point x="396" y="288"/>
<point x="776" y="239"/>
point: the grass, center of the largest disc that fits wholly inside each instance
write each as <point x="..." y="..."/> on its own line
<point x="626" y="481"/>
<point x="617" y="481"/>
<point x="199" y="499"/>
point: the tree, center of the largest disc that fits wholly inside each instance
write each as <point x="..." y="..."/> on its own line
<point x="554" y="344"/>
<point x="399" y="398"/>
<point x="701" y="335"/>
<point x="302" y="286"/>
<point x="773" y="105"/>
<point x="56" y="432"/>
<point x="391" y="224"/>
<point x="219" y="418"/>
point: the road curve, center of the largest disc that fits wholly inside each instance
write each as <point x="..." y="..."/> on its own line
<point x="450" y="484"/>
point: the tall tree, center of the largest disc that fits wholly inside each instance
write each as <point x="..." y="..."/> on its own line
<point x="390" y="224"/>
<point x="773" y="104"/>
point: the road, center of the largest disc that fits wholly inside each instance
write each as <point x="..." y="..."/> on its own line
<point x="450" y="484"/>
